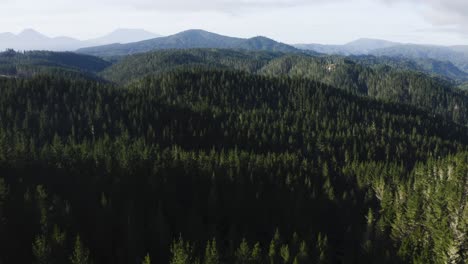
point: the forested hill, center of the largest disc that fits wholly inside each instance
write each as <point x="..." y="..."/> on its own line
<point x="434" y="94"/>
<point x="29" y="63"/>
<point x="137" y="66"/>
<point x="457" y="57"/>
<point x="188" y="40"/>
<point x="222" y="166"/>
<point x="436" y="68"/>
<point x="382" y="82"/>
<point x="368" y="77"/>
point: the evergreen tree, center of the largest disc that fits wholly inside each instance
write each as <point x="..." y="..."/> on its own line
<point x="243" y="254"/>
<point x="41" y="250"/>
<point x="80" y="254"/>
<point x="181" y="252"/>
<point x="146" y="260"/>
<point x="211" y="253"/>
<point x="284" y="253"/>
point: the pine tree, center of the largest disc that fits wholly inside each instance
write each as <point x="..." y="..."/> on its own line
<point x="146" y="260"/>
<point x="41" y="250"/>
<point x="211" y="253"/>
<point x="256" y="253"/>
<point x="181" y="252"/>
<point x="302" y="255"/>
<point x="322" y="246"/>
<point x="80" y="254"/>
<point x="272" y="254"/>
<point x="284" y="253"/>
<point x="243" y="254"/>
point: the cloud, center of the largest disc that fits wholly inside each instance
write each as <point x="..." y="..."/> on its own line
<point x="221" y="6"/>
<point x="225" y="6"/>
<point x="442" y="12"/>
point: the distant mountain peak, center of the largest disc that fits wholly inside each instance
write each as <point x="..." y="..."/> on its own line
<point x="191" y="39"/>
<point x="371" y="43"/>
<point x="30" y="39"/>
<point x="261" y="38"/>
<point x="195" y="30"/>
<point x="29" y="32"/>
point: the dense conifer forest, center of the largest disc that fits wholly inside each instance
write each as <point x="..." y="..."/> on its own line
<point x="224" y="156"/>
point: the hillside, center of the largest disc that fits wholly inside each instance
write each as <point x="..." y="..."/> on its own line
<point x="200" y="164"/>
<point x="429" y="59"/>
<point x="188" y="40"/>
<point x="458" y="58"/>
<point x="39" y="62"/>
<point x="137" y="66"/>
<point x="380" y="82"/>
<point x="376" y="81"/>
<point x="436" y="68"/>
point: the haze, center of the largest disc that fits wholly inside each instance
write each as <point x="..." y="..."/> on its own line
<point x="293" y="21"/>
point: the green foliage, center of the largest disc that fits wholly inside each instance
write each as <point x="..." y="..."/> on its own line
<point x="182" y="252"/>
<point x="366" y="78"/>
<point x="211" y="253"/>
<point x="31" y="63"/>
<point x="146" y="260"/>
<point x="80" y="254"/>
<point x="284" y="253"/>
<point x="433" y="222"/>
<point x="243" y="254"/>
<point x="256" y="253"/>
<point x="131" y="68"/>
<point x="225" y="154"/>
<point x="437" y="68"/>
<point x="41" y="250"/>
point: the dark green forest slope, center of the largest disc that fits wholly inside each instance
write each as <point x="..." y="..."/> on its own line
<point x="380" y="81"/>
<point x="222" y="166"/>
<point x="436" y="68"/>
<point x="26" y="64"/>
<point x="137" y="66"/>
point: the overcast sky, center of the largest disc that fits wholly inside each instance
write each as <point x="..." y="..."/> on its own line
<point x="292" y="21"/>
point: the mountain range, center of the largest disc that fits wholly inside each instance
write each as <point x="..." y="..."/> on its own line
<point x="30" y="39"/>
<point x="357" y="47"/>
<point x="447" y="62"/>
<point x="190" y="39"/>
<point x="121" y="42"/>
<point x="457" y="55"/>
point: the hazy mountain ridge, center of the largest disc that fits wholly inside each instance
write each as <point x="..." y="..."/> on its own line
<point x="357" y="47"/>
<point x="188" y="40"/>
<point x="457" y="55"/>
<point x="436" y="68"/>
<point x="30" y="39"/>
<point x="441" y="53"/>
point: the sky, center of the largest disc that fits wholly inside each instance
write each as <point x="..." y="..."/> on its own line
<point x="441" y="22"/>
